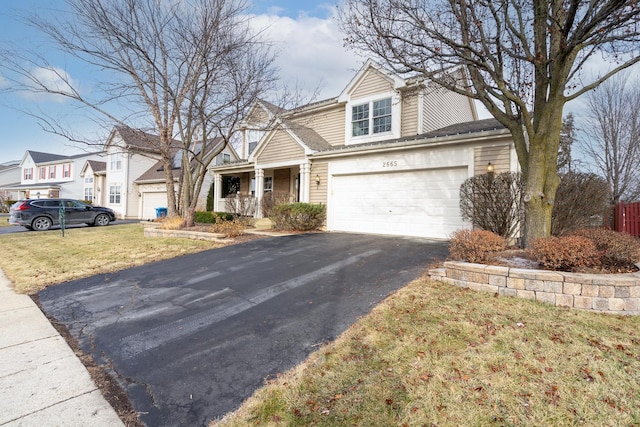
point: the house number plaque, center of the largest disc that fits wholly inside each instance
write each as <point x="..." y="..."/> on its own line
<point x="390" y="164"/>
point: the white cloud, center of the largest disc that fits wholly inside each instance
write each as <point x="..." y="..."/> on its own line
<point x="46" y="80"/>
<point x="311" y="52"/>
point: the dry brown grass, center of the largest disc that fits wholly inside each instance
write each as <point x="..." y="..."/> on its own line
<point x="35" y="260"/>
<point x="433" y="354"/>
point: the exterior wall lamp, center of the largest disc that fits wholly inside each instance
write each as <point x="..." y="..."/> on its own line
<point x="317" y="180"/>
<point x="490" y="168"/>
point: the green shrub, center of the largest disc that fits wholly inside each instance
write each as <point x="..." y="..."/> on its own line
<point x="230" y="228"/>
<point x="210" y="217"/>
<point x="298" y="216"/>
<point x="476" y="245"/>
<point x="615" y="250"/>
<point x="567" y="253"/>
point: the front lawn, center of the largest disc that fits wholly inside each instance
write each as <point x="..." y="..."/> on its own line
<point x="433" y="354"/>
<point x="34" y="260"/>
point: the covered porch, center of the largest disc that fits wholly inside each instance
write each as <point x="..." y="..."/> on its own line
<point x="250" y="190"/>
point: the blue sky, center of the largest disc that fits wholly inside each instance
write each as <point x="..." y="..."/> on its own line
<point x="305" y="33"/>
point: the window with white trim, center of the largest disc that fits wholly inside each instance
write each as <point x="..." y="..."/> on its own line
<point x="66" y="171"/>
<point x="114" y="194"/>
<point x="115" y="161"/>
<point x="42" y="173"/>
<point x="52" y="172"/>
<point x="88" y="193"/>
<point x="28" y="173"/>
<point x="268" y="184"/>
<point x="371" y="118"/>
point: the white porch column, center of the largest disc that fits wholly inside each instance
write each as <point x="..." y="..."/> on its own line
<point x="217" y="191"/>
<point x="259" y="192"/>
<point x="305" y="182"/>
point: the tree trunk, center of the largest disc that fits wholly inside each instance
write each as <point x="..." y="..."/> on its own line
<point x="189" y="216"/>
<point x="542" y="176"/>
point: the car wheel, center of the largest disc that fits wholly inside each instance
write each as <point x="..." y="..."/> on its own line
<point x="42" y="223"/>
<point x="102" y="220"/>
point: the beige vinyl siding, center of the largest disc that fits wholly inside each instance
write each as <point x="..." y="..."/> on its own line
<point x="245" y="183"/>
<point x="443" y="108"/>
<point x="318" y="193"/>
<point x="409" y="119"/>
<point x="257" y="115"/>
<point x="499" y="156"/>
<point x="137" y="165"/>
<point x="281" y="147"/>
<point x="281" y="180"/>
<point x="329" y="124"/>
<point x="372" y="83"/>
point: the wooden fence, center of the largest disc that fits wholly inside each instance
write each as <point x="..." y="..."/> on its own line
<point x="626" y="218"/>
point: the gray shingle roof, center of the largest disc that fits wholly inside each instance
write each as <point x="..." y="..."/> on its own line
<point x="308" y="136"/>
<point x="97" y="166"/>
<point x="465" y="128"/>
<point x="40" y="157"/>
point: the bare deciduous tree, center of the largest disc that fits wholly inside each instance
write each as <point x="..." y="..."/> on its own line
<point x="522" y="59"/>
<point x="184" y="70"/>
<point x="612" y="132"/>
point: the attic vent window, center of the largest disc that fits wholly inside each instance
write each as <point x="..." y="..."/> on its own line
<point x="379" y="121"/>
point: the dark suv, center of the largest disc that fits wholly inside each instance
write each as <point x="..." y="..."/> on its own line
<point x="42" y="214"/>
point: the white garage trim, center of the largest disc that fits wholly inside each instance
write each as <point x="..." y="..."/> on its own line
<point x="151" y="201"/>
<point x="418" y="202"/>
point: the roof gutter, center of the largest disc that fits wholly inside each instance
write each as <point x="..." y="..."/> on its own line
<point x="413" y="143"/>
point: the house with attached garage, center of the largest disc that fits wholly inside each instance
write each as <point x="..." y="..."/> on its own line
<point x="386" y="156"/>
<point x="131" y="178"/>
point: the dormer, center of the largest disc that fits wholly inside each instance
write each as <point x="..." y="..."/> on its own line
<point x="373" y="105"/>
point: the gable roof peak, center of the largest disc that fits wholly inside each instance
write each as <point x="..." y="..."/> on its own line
<point x="398" y="81"/>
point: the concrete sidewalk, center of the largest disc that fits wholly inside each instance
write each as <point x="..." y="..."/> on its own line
<point x="42" y="382"/>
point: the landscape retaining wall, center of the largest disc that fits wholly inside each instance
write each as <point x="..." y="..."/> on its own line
<point x="609" y="293"/>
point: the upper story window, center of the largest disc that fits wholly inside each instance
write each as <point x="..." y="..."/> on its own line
<point x="66" y="171"/>
<point x="88" y="179"/>
<point x="28" y="173"/>
<point x="115" y="161"/>
<point x="42" y="173"/>
<point x="52" y="172"/>
<point x="371" y="118"/>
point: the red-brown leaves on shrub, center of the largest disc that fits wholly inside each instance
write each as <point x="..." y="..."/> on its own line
<point x="568" y="253"/>
<point x="616" y="250"/>
<point x="479" y="246"/>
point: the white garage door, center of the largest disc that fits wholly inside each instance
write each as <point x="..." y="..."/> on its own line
<point x="151" y="201"/>
<point x="421" y="203"/>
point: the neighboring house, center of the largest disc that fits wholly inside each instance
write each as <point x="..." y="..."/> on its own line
<point x="386" y="156"/>
<point x="94" y="177"/>
<point x="10" y="173"/>
<point x="130" y="153"/>
<point x="46" y="175"/>
<point x="151" y="185"/>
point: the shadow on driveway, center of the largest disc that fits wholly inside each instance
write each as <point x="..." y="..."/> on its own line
<point x="190" y="338"/>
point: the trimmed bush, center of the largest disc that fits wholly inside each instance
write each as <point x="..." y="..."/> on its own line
<point x="230" y="228"/>
<point x="298" y="216"/>
<point x="568" y="253"/>
<point x="210" y="217"/>
<point x="616" y="250"/>
<point x="476" y="245"/>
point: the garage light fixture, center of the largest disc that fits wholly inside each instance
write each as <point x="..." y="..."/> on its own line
<point x="490" y="168"/>
<point x="317" y="180"/>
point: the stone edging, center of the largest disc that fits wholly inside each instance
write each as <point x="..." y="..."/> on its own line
<point x="608" y="293"/>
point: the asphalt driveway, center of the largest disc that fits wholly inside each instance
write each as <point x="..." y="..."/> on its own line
<point x="190" y="338"/>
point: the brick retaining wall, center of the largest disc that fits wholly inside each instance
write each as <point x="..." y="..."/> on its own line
<point x="609" y="293"/>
